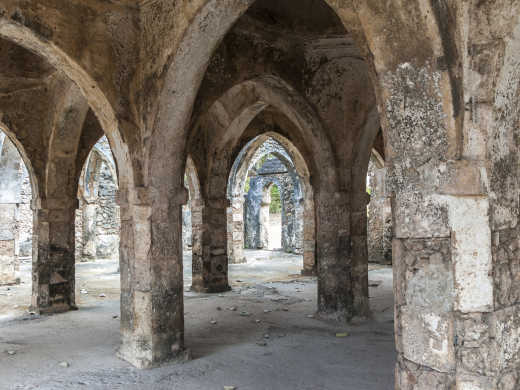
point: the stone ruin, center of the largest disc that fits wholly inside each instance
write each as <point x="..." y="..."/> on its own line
<point x="97" y="218"/>
<point x="257" y="200"/>
<point x="437" y="82"/>
<point x="15" y="212"/>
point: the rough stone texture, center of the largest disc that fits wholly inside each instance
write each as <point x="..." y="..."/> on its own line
<point x="15" y="213"/>
<point x="187" y="234"/>
<point x="244" y="224"/>
<point x="204" y="78"/>
<point x="379" y="226"/>
<point x="257" y="203"/>
<point x="97" y="219"/>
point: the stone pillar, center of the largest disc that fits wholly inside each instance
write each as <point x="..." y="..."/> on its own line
<point x="187" y="236"/>
<point x="443" y="286"/>
<point x="54" y="265"/>
<point x="197" y="229"/>
<point x="89" y="216"/>
<point x="359" y="252"/>
<point x="235" y="218"/>
<point x="263" y="217"/>
<point x="152" y="312"/>
<point x="337" y="296"/>
<point x="9" y="265"/>
<point x="379" y="220"/>
<point x="298" y="226"/>
<point x="447" y="332"/>
<point x="309" y="238"/>
<point x="214" y="265"/>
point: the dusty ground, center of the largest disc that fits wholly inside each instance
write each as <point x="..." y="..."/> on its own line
<point x="265" y="336"/>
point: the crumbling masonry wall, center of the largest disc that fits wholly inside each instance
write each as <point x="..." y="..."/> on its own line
<point x="441" y="76"/>
<point x="15" y="212"/>
<point x="379" y="210"/>
<point x="97" y="218"/>
<point x="273" y="171"/>
<point x="244" y="216"/>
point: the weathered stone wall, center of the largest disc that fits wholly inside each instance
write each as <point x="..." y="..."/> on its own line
<point x="105" y="220"/>
<point x="379" y="237"/>
<point x="443" y="75"/>
<point x="187" y="238"/>
<point x="97" y="218"/>
<point x="24" y="215"/>
<point x="107" y="215"/>
<point x="15" y="211"/>
<point x="244" y="216"/>
<point x="273" y="171"/>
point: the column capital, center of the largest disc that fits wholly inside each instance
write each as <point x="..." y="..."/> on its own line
<point x="218" y="203"/>
<point x="58" y="203"/>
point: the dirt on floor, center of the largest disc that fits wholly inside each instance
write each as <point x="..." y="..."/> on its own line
<point x="264" y="334"/>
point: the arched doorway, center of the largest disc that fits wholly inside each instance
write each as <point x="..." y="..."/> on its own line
<point x="16" y="221"/>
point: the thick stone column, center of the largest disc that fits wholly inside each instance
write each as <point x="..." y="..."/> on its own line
<point x="152" y="313"/>
<point x="359" y="252"/>
<point x="443" y="283"/>
<point x="339" y="295"/>
<point x="89" y="216"/>
<point x="235" y="218"/>
<point x="263" y="219"/>
<point x="298" y="226"/>
<point x="214" y="274"/>
<point x="309" y="238"/>
<point x="54" y="264"/>
<point x="197" y="229"/>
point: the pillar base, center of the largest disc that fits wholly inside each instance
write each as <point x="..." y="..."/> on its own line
<point x="13" y="282"/>
<point x="54" y="309"/>
<point x="143" y="363"/>
<point x="308" y="272"/>
<point x="242" y="260"/>
<point x="210" y="289"/>
<point x="136" y="351"/>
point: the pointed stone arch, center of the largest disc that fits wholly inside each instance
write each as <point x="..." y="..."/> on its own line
<point x="409" y="54"/>
<point x="14" y="153"/>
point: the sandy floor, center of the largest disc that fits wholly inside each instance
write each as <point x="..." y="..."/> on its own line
<point x="271" y="341"/>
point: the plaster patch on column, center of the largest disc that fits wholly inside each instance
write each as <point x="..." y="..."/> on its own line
<point x="439" y="329"/>
<point x="427" y="339"/>
<point x="471" y="253"/>
<point x="472" y="385"/>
